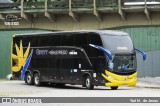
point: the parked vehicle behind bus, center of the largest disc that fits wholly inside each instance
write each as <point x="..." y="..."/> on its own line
<point x="88" y="58"/>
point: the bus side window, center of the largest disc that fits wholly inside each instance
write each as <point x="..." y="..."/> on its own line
<point x="67" y="40"/>
<point x="81" y="40"/>
<point x="96" y="40"/>
<point x="43" y="41"/>
<point x="32" y="40"/>
<point x="55" y="40"/>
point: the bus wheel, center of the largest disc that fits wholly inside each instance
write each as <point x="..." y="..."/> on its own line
<point x="88" y="83"/>
<point x="28" y="79"/>
<point x="114" y="87"/>
<point x="36" y="79"/>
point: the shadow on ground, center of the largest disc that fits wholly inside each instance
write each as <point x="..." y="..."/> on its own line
<point x="67" y="86"/>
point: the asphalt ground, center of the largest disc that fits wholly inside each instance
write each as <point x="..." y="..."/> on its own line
<point x="20" y="89"/>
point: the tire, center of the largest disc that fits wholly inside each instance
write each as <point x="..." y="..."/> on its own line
<point x="36" y="80"/>
<point x="114" y="87"/>
<point x="29" y="79"/>
<point x="88" y="83"/>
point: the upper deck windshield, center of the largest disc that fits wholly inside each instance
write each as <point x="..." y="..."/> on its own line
<point x="117" y="44"/>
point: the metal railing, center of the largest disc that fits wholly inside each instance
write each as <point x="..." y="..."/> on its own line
<point x="58" y="4"/>
<point x="82" y="3"/>
<point x="10" y="5"/>
<point x="64" y="4"/>
<point x="107" y="3"/>
<point x="34" y="5"/>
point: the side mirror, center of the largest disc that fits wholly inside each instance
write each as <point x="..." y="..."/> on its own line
<point x="107" y="52"/>
<point x="143" y="54"/>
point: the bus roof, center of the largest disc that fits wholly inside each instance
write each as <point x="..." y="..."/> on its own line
<point x="101" y="32"/>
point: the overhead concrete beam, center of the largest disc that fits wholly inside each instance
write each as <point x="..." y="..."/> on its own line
<point x="96" y="13"/>
<point x="122" y="14"/>
<point x="146" y="11"/>
<point x="74" y="16"/>
<point x="24" y="15"/>
<point x="2" y="17"/>
<point x="71" y="13"/>
<point x="50" y="16"/>
<point x="47" y="14"/>
<point x="27" y="17"/>
<point x="120" y="11"/>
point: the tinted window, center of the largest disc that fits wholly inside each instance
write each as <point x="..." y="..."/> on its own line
<point x="55" y="40"/>
<point x="95" y="39"/>
<point x="43" y="40"/>
<point x="81" y="39"/>
<point x="32" y="40"/>
<point x="67" y="40"/>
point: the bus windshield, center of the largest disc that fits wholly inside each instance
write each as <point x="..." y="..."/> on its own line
<point x="124" y="63"/>
<point x="117" y="44"/>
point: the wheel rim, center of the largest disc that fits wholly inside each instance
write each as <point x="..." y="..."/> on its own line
<point x="36" y="80"/>
<point x="28" y="79"/>
<point x="87" y="82"/>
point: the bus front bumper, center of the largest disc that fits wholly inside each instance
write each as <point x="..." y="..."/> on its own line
<point x="119" y="80"/>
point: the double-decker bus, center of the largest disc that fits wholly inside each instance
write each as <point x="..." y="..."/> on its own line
<point x="85" y="57"/>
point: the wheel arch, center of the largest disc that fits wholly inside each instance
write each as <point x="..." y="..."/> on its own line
<point x="36" y="71"/>
<point x="84" y="77"/>
<point x="86" y="74"/>
<point x="28" y="71"/>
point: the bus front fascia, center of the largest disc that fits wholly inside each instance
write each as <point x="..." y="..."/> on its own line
<point x="112" y="79"/>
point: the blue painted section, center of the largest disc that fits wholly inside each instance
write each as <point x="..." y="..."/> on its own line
<point x="107" y="52"/>
<point x="25" y="67"/>
<point x="143" y="53"/>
